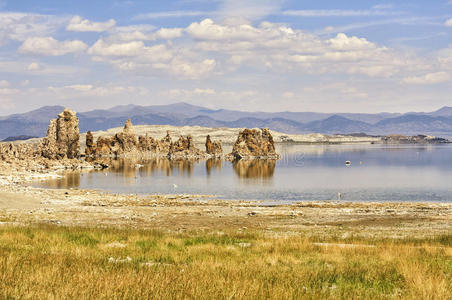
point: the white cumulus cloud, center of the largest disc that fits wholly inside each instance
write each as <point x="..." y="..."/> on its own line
<point x="50" y="46"/>
<point x="79" y="24"/>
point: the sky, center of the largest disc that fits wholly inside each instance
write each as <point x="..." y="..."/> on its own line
<point x="255" y="55"/>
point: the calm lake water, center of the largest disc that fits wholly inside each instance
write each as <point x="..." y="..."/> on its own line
<point x="305" y="172"/>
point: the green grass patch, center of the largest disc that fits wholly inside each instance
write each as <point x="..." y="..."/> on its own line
<point x="78" y="263"/>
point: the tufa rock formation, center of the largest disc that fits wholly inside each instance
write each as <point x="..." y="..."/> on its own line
<point x="184" y="148"/>
<point x="59" y="149"/>
<point x="125" y="141"/>
<point x="9" y="152"/>
<point x="252" y="143"/>
<point x="62" y="139"/>
<point x="149" y="144"/>
<point x="214" y="149"/>
<point x="62" y="143"/>
<point x="90" y="146"/>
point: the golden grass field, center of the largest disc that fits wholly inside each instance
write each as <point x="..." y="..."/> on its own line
<point x="56" y="262"/>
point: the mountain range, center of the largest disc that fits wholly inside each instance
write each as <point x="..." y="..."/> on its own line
<point x="34" y="123"/>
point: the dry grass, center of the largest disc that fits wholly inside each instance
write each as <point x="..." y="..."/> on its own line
<point x="46" y="262"/>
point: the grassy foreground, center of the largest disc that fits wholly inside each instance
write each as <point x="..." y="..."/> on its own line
<point x="45" y="262"/>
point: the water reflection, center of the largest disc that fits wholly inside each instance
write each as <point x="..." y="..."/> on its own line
<point x="132" y="168"/>
<point x="213" y="164"/>
<point x="70" y="180"/>
<point x="255" y="169"/>
<point x="305" y="172"/>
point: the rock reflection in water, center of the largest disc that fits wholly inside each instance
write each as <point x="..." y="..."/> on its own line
<point x="131" y="168"/>
<point x="255" y="169"/>
<point x="68" y="181"/>
<point x="213" y="164"/>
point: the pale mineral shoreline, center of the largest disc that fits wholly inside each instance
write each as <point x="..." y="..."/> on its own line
<point x="24" y="205"/>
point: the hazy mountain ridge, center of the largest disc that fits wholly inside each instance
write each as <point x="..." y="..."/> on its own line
<point x="182" y="114"/>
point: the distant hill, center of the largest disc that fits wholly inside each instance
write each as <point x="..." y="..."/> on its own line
<point x="338" y="124"/>
<point x="34" y="123"/>
<point x="446" y="111"/>
<point x="18" y="138"/>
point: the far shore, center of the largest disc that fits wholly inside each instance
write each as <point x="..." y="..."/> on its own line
<point x="229" y="135"/>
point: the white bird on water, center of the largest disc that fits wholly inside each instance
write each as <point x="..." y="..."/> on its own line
<point x="174" y="187"/>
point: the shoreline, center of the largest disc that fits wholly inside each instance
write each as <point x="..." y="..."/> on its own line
<point x="23" y="205"/>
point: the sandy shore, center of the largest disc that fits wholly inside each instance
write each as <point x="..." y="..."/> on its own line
<point x="24" y="205"/>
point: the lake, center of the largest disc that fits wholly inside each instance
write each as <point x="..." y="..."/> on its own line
<point x="305" y="172"/>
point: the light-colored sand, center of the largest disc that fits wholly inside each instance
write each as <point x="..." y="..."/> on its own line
<point x="26" y="205"/>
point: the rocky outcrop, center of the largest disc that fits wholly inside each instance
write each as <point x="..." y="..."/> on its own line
<point x="9" y="152"/>
<point x="60" y="149"/>
<point x="90" y="146"/>
<point x="184" y="148"/>
<point x="125" y="141"/>
<point x="148" y="144"/>
<point x="213" y="148"/>
<point x="62" y="139"/>
<point x="165" y="143"/>
<point x="252" y="144"/>
<point x="62" y="142"/>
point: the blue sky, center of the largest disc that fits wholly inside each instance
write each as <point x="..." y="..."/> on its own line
<point x="267" y="55"/>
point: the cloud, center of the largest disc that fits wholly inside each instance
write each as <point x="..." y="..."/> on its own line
<point x="137" y="57"/>
<point x="340" y="90"/>
<point x="168" y="33"/>
<point x="79" y="24"/>
<point x="24" y="67"/>
<point x="51" y="47"/>
<point x="231" y="10"/>
<point x="430" y="78"/>
<point x="144" y="33"/>
<point x="383" y="6"/>
<point x="89" y="90"/>
<point x="172" y="14"/>
<point x="248" y="10"/>
<point x="20" y="26"/>
<point x="7" y="91"/>
<point x="212" y="48"/>
<point x="174" y="93"/>
<point x="338" y="13"/>
<point x="414" y="21"/>
<point x="102" y="48"/>
<point x="281" y="48"/>
<point x="345" y="43"/>
<point x="4" y="83"/>
<point x="448" y="23"/>
<point x="288" y="95"/>
<point x="34" y="67"/>
<point x="209" y="30"/>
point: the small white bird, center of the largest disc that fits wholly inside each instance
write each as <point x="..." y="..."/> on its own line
<point x="339" y="196"/>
